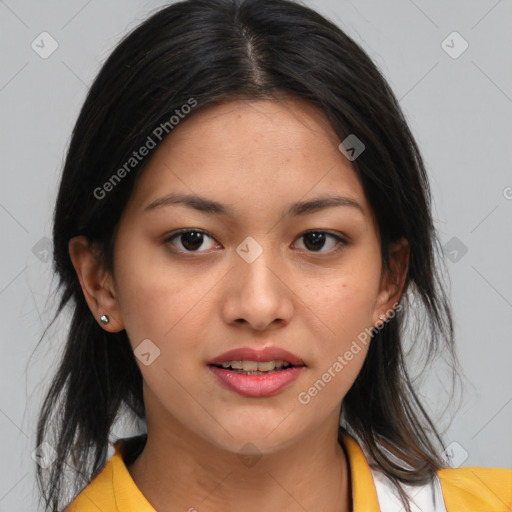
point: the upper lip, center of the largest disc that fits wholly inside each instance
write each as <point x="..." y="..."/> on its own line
<point x="259" y="355"/>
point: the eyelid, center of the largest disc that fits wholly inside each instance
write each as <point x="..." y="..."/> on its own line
<point x="335" y="234"/>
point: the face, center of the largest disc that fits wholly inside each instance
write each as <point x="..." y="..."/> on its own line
<point x="191" y="284"/>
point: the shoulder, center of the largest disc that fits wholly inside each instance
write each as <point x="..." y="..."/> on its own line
<point x="476" y="489"/>
<point x="97" y="495"/>
<point x="113" y="483"/>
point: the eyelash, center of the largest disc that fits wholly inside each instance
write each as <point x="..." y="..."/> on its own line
<point x="340" y="242"/>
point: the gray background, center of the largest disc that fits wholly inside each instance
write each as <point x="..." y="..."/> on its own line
<point x="459" y="109"/>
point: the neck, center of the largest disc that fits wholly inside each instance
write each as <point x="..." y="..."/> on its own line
<point x="178" y="470"/>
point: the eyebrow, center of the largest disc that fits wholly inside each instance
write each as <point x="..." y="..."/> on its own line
<point x="212" y="207"/>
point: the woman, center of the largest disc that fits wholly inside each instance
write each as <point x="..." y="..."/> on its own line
<point x="242" y="224"/>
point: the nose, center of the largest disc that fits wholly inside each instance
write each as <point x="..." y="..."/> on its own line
<point x="258" y="294"/>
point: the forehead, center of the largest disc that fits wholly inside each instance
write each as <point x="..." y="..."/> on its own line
<point x="285" y="125"/>
<point x="256" y="153"/>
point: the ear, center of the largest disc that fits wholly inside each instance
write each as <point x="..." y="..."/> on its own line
<point x="97" y="284"/>
<point x="392" y="282"/>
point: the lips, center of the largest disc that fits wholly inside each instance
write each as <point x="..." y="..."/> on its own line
<point x="258" y="355"/>
<point x="256" y="384"/>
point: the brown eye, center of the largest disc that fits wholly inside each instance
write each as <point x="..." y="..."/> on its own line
<point x="190" y="240"/>
<point x="314" y="241"/>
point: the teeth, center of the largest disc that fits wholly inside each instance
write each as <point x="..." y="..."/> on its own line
<point x="253" y="366"/>
<point x="250" y="366"/>
<point x="236" y="365"/>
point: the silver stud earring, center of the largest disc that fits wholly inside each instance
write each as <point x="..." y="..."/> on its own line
<point x="104" y="319"/>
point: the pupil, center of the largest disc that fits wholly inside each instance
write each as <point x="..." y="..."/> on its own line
<point x="196" y="240"/>
<point x="318" y="240"/>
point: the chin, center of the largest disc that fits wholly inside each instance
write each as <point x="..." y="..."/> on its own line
<point x="264" y="436"/>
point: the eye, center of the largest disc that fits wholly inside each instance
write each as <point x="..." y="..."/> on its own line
<point x="189" y="239"/>
<point x="315" y="240"/>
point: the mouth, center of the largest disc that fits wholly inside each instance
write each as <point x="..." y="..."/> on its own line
<point x="256" y="373"/>
<point x="247" y="367"/>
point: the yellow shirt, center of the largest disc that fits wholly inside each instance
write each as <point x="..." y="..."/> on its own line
<point x="464" y="489"/>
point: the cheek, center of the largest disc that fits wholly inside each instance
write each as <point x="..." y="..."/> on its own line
<point x="166" y="304"/>
<point x="160" y="299"/>
<point x="345" y="308"/>
<point x="346" y="305"/>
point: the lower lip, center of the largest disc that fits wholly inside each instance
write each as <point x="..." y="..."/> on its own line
<point x="257" y="385"/>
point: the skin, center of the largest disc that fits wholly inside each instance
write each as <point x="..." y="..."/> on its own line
<point x="257" y="157"/>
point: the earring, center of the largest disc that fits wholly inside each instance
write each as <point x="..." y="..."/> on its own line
<point x="104" y="319"/>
